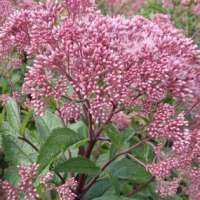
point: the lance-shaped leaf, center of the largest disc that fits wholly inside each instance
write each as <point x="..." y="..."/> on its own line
<point x="79" y="165"/>
<point x="58" y="141"/>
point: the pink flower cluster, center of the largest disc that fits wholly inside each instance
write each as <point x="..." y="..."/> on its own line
<point x="26" y="185"/>
<point x="193" y="5"/>
<point x="121" y="120"/>
<point x="127" y="7"/>
<point x="6" y="7"/>
<point x="65" y="191"/>
<point x="181" y="156"/>
<point x="108" y="61"/>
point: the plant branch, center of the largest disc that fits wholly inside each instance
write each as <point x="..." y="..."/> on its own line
<point x="141" y="187"/>
<point x="28" y="142"/>
<point x="93" y="181"/>
<point x="137" y="160"/>
<point x="37" y="150"/>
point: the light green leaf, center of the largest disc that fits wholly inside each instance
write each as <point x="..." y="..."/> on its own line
<point x="47" y="123"/>
<point x="80" y="127"/>
<point x="13" y="114"/>
<point x="27" y="117"/>
<point x="14" y="151"/>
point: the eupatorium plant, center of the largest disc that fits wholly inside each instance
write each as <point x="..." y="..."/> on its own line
<point x="107" y="72"/>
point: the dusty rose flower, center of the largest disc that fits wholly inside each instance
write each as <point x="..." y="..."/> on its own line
<point x="121" y="120"/>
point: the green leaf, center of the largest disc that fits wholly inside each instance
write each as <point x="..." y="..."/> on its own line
<point x="114" y="197"/>
<point x="98" y="189"/>
<point x="27" y="117"/>
<point x="47" y="123"/>
<point x="129" y="169"/>
<point x="58" y="141"/>
<point x="144" y="153"/>
<point x="52" y="120"/>
<point x="115" y="183"/>
<point x="11" y="175"/>
<point x="79" y="165"/>
<point x="79" y="127"/>
<point x="114" y="135"/>
<point x="13" y="114"/>
<point x="14" y="151"/>
<point x="42" y="128"/>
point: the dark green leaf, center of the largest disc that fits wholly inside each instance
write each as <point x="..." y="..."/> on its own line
<point x="114" y="135"/>
<point x="114" y="197"/>
<point x="79" y="165"/>
<point x="98" y="189"/>
<point x="58" y="141"/>
<point x="129" y="169"/>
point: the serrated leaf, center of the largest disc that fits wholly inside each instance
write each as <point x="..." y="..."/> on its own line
<point x="42" y="128"/>
<point x="13" y="114"/>
<point x="129" y="169"/>
<point x="79" y="165"/>
<point x="47" y="123"/>
<point x="14" y="153"/>
<point x="58" y="141"/>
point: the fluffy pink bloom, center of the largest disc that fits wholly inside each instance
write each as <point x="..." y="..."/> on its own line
<point x="107" y="61"/>
<point x="65" y="191"/>
<point x="10" y="191"/>
<point x="121" y="120"/>
<point x="185" y="2"/>
<point x="168" y="188"/>
<point x="127" y="7"/>
<point x="44" y="179"/>
<point x="196" y="8"/>
<point x="27" y="174"/>
<point x="167" y="3"/>
<point x="70" y="112"/>
<point x="6" y="7"/>
<point x="25" y="186"/>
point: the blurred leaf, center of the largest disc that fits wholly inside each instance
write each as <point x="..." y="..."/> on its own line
<point x="14" y="152"/>
<point x="47" y="123"/>
<point x="115" y="183"/>
<point x="13" y="114"/>
<point x="11" y="175"/>
<point x="114" y="197"/>
<point x="129" y="169"/>
<point x="98" y="189"/>
<point x="79" y="165"/>
<point x="27" y="117"/>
